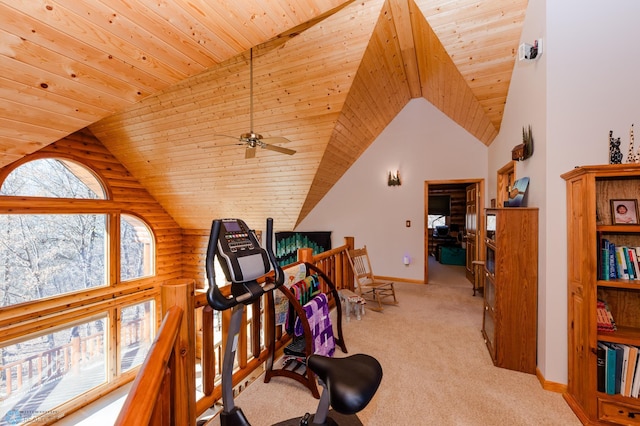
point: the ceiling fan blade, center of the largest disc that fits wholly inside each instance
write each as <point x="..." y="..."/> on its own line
<point x="279" y="149"/>
<point x="275" y="139"/>
<point x="224" y="145"/>
<point x="250" y="152"/>
<point x="226" y="136"/>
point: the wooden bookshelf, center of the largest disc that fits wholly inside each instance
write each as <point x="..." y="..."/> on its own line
<point x="590" y="190"/>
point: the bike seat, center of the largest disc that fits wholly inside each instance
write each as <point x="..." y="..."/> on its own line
<point x="351" y="381"/>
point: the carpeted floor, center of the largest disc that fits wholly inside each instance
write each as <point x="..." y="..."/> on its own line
<point x="437" y="370"/>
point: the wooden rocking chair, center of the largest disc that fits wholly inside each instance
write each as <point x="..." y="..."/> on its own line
<point x="370" y="288"/>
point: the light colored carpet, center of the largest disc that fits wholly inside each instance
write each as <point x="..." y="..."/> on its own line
<point x="437" y="370"/>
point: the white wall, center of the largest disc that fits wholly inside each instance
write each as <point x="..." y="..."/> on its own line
<point x="527" y="106"/>
<point x="423" y="144"/>
<point x="585" y="84"/>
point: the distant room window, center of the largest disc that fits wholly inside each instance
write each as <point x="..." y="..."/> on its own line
<point x="436" y="220"/>
<point x="53" y="178"/>
<point x="136" y="248"/>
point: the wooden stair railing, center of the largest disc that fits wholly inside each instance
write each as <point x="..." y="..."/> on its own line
<point x="163" y="392"/>
<point x="164" y="389"/>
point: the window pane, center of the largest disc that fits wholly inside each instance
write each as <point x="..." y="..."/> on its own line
<point x="54" y="178"/>
<point x="436" y="220"/>
<point x="136" y="334"/>
<point x="47" y="255"/>
<point x="41" y="373"/>
<point x="136" y="248"/>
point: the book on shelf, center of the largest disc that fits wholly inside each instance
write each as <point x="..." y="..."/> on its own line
<point x="604" y="317"/>
<point x="604" y="264"/>
<point x="633" y="257"/>
<point x="613" y="265"/>
<point x="602" y="366"/>
<point x="631" y="353"/>
<point x="635" y="386"/>
<point x="621" y="264"/>
<point x="610" y="370"/>
<point x="630" y="266"/>
<point x="613" y="261"/>
<point x="623" y="261"/>
<point x="618" y="369"/>
<point x="619" y="354"/>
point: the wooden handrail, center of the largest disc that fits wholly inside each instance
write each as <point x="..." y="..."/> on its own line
<point x="141" y="401"/>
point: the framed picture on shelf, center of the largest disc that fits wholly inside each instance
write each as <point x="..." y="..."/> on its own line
<point x="624" y="212"/>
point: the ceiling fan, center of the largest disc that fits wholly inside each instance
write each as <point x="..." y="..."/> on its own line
<point x="254" y="140"/>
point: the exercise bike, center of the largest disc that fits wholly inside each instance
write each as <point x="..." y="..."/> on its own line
<point x="348" y="384"/>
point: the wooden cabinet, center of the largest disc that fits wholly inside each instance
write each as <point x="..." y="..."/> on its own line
<point x="590" y="190"/>
<point x="511" y="287"/>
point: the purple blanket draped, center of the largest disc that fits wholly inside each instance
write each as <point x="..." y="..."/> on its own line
<point x="317" y="312"/>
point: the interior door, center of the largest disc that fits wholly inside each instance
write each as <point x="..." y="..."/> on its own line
<point x="474" y="236"/>
<point x="470" y="234"/>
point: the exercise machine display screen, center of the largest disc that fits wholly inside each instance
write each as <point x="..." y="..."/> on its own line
<point x="241" y="257"/>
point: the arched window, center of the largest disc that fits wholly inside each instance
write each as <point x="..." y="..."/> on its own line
<point x="44" y="255"/>
<point x="53" y="178"/>
<point x="59" y="250"/>
<point x="136" y="248"/>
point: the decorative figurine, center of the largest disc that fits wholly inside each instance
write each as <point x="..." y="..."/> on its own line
<point x="631" y="156"/>
<point x="636" y="158"/>
<point x="525" y="149"/>
<point x="615" y="155"/>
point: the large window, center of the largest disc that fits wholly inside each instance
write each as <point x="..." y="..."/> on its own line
<point x="66" y="252"/>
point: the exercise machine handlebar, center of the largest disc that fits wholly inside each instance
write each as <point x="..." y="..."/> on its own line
<point x="243" y="261"/>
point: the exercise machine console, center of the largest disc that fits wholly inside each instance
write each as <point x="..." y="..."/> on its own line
<point x="348" y="383"/>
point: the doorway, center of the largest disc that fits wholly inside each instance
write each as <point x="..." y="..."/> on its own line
<point x="467" y="197"/>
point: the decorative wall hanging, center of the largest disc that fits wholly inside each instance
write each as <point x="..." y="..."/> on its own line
<point x="615" y="155"/>
<point x="525" y="149"/>
<point x="288" y="243"/>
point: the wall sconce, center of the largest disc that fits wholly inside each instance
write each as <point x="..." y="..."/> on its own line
<point x="394" y="180"/>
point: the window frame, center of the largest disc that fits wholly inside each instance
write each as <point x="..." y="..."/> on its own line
<point x="23" y="321"/>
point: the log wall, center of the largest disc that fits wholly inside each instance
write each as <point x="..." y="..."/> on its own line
<point x="125" y="195"/>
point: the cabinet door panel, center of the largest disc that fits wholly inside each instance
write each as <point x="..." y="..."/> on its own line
<point x="489" y="330"/>
<point x="489" y="292"/>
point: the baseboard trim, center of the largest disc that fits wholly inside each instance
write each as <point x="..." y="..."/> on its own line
<point x="400" y="280"/>
<point x="550" y="386"/>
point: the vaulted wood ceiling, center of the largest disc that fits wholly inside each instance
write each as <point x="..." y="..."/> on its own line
<point x="158" y="82"/>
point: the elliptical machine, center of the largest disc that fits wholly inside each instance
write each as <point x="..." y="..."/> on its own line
<point x="348" y="383"/>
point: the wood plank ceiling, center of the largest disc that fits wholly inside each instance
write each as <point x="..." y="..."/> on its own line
<point x="159" y="81"/>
